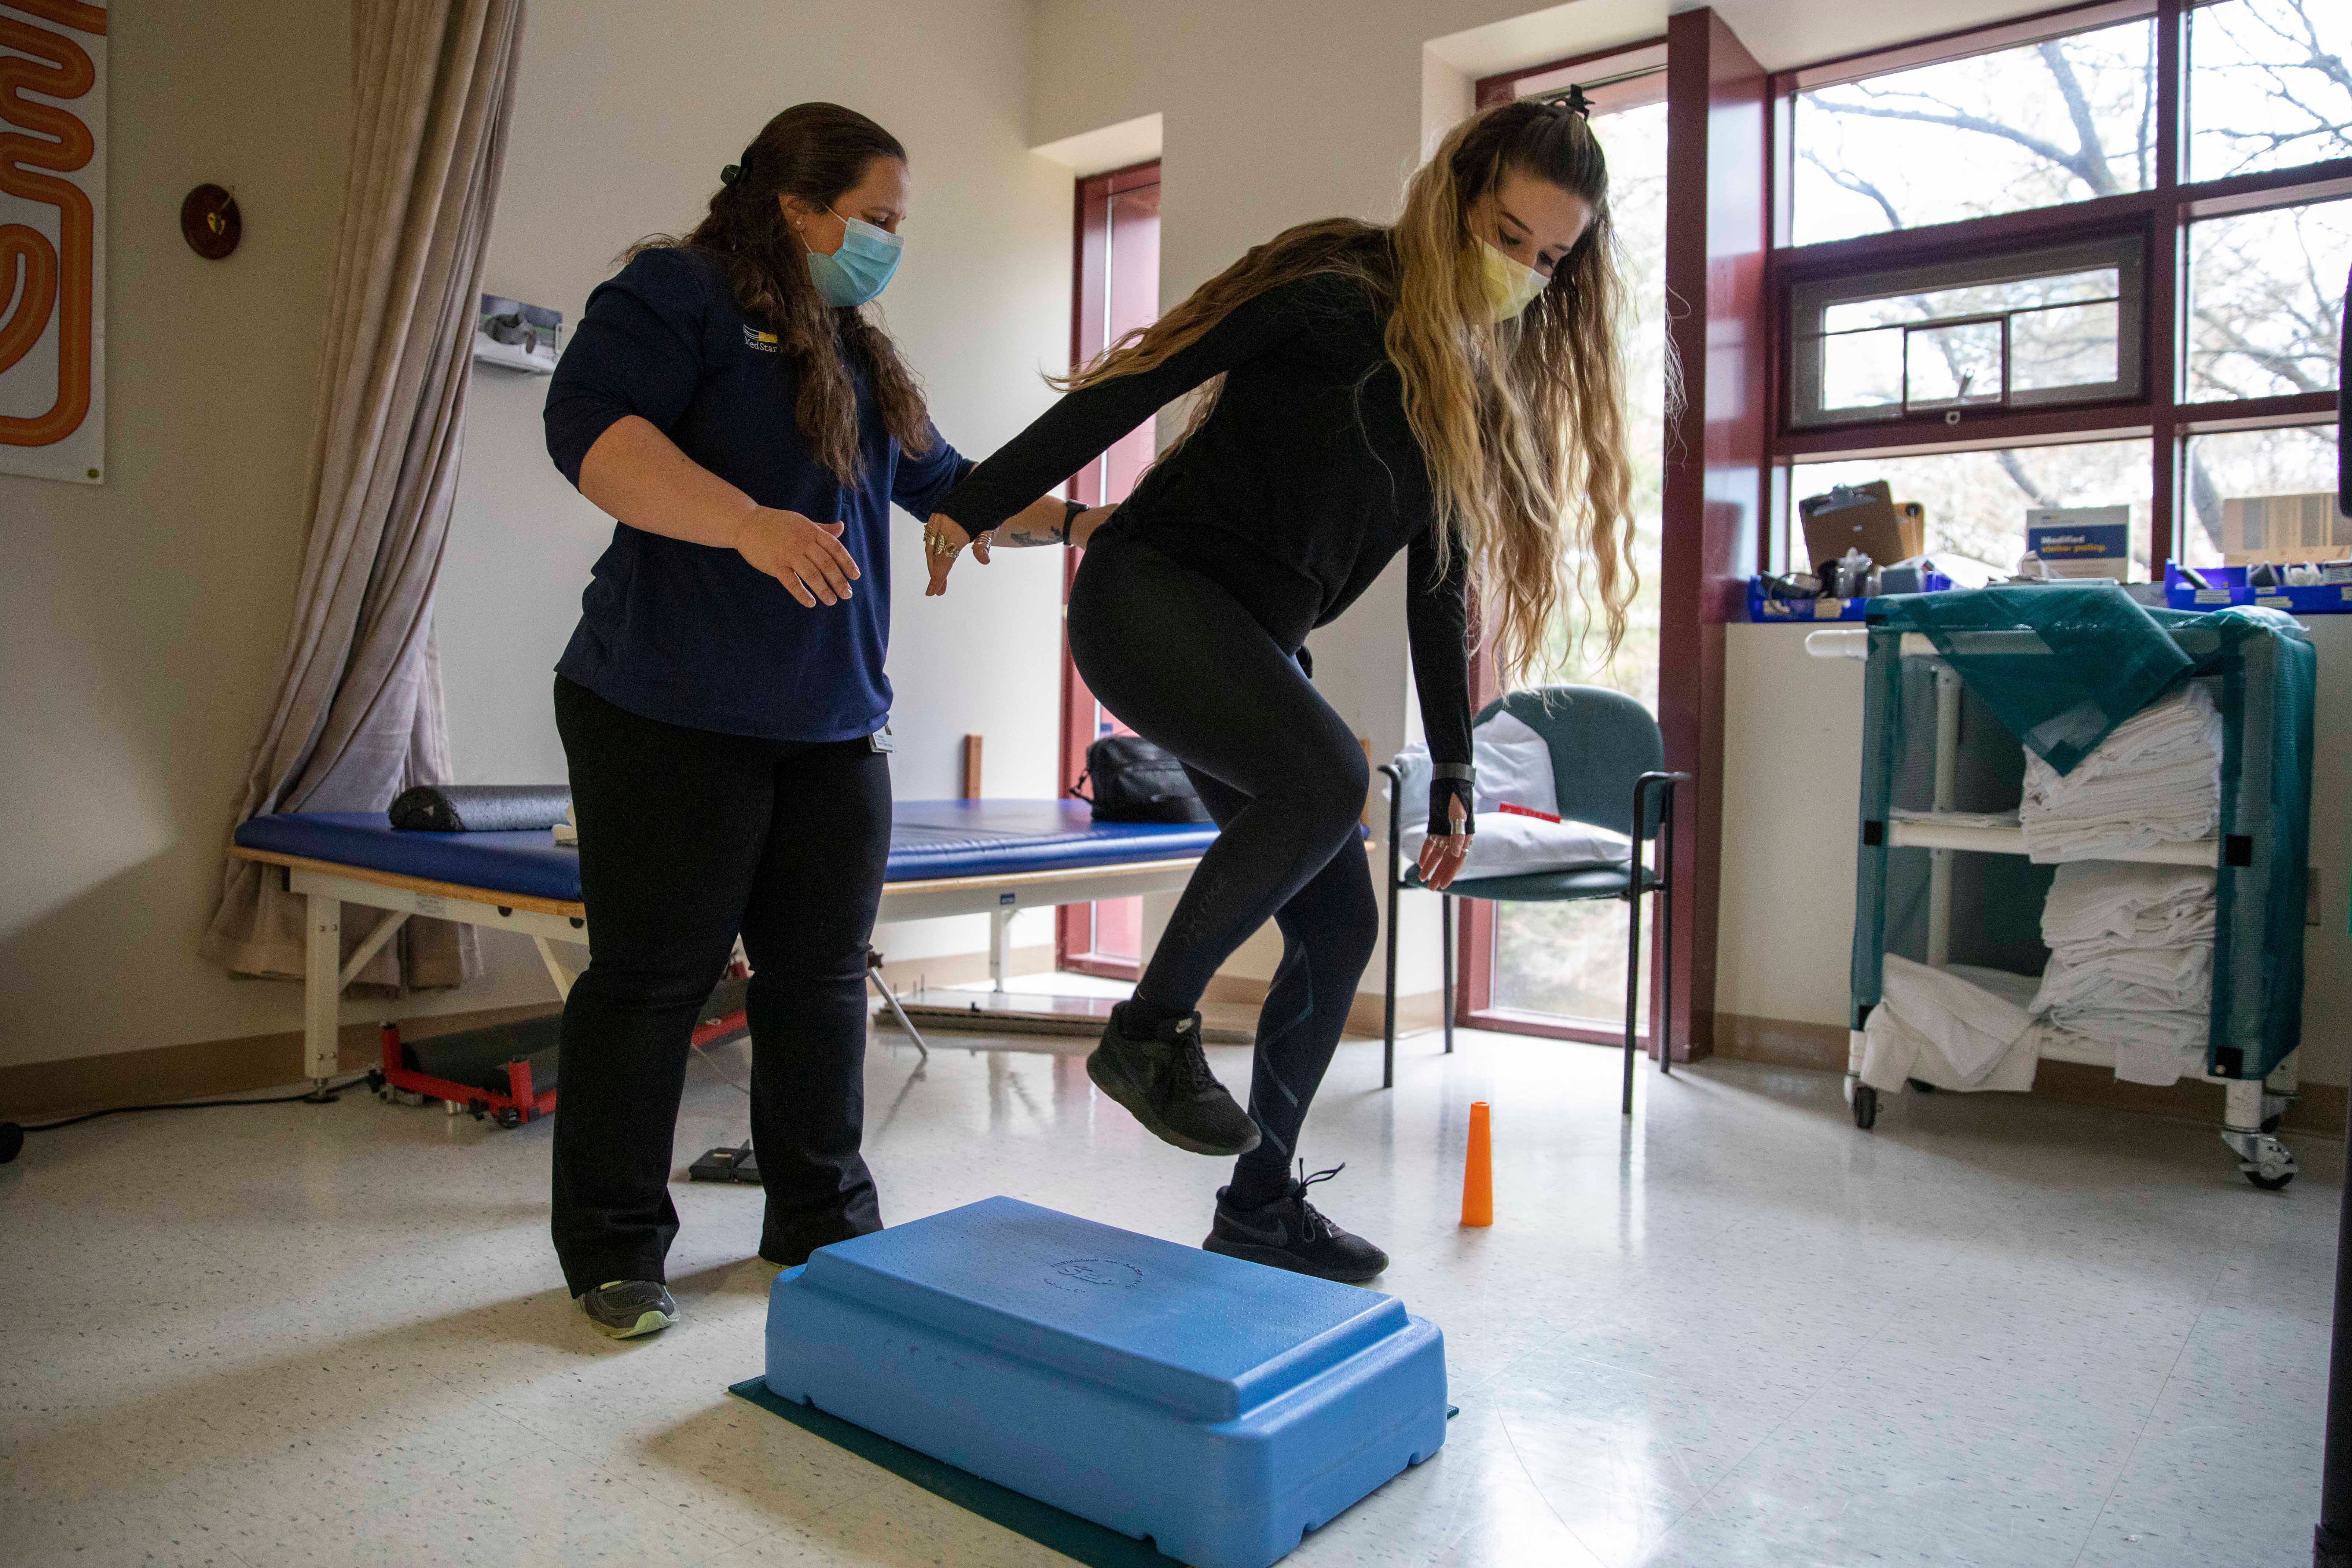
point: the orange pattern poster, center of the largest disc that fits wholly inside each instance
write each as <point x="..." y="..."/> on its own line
<point x="53" y="239"/>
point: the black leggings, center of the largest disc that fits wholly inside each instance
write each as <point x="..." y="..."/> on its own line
<point x="687" y="837"/>
<point x="1179" y="661"/>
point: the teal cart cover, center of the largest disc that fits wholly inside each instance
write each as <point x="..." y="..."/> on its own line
<point x="2059" y="668"/>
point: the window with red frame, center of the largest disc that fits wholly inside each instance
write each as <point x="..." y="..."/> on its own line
<point x="2089" y="257"/>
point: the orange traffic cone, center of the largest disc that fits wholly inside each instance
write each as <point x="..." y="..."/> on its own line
<point x="1478" y="1171"/>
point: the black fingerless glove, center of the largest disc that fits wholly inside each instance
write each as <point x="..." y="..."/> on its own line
<point x="1444" y="790"/>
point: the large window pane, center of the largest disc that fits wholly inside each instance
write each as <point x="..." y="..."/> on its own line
<point x="1977" y="502"/>
<point x="2035" y="126"/>
<point x="2270" y="85"/>
<point x="2241" y="465"/>
<point x="1569" y="959"/>
<point x="2266" y="300"/>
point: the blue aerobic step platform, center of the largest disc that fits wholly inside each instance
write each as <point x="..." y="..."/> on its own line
<point x="1221" y="1408"/>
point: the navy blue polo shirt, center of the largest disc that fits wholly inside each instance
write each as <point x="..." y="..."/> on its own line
<point x="693" y="634"/>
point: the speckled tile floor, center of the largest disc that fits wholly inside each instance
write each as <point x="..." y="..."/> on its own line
<point x="1731" y="1331"/>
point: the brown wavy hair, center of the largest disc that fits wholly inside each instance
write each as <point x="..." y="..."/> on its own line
<point x="1522" y="422"/>
<point x="819" y="153"/>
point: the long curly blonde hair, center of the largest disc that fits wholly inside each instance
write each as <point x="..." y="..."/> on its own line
<point x="1522" y="422"/>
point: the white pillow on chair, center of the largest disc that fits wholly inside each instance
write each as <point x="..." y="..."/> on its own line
<point x="1514" y="766"/>
<point x="1509" y="844"/>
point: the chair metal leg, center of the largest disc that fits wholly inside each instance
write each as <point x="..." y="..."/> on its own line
<point x="1633" y="974"/>
<point x="1445" y="901"/>
<point x="1396" y="886"/>
<point x="1667" y="940"/>
<point x="1634" y="893"/>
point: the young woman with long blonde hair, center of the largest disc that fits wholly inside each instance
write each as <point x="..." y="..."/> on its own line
<point x="1447" y="387"/>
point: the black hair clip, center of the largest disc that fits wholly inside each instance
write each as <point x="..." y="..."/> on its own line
<point x="730" y="173"/>
<point x="1576" y="102"/>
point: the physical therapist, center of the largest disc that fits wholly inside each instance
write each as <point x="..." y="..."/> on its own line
<point x="722" y="700"/>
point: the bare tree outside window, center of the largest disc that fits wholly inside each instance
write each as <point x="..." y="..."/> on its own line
<point x="2266" y="301"/>
<point x="2037" y="126"/>
<point x="2270" y="86"/>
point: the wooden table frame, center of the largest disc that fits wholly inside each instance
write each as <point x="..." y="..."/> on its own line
<point x="326" y="886"/>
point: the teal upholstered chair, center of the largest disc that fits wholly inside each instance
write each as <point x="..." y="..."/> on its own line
<point x="1608" y="764"/>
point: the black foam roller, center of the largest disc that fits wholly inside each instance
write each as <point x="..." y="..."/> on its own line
<point x="480" y="809"/>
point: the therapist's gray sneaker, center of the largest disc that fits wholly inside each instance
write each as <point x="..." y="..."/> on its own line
<point x="1165" y="1083"/>
<point x="623" y="1309"/>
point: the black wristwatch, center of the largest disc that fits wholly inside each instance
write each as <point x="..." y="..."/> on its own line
<point x="1070" y="511"/>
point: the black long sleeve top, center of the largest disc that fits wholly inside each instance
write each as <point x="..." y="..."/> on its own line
<point x="1299" y="489"/>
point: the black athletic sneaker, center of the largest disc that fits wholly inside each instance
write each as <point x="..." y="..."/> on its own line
<point x="1165" y="1083"/>
<point x="623" y="1309"/>
<point x="1291" y="1233"/>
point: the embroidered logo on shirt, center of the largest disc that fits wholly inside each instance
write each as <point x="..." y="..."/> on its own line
<point x="755" y="339"/>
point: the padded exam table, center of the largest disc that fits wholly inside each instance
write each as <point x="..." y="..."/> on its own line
<point x="947" y="857"/>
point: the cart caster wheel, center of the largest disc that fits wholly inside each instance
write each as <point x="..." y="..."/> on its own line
<point x="2262" y="1159"/>
<point x="508" y="1119"/>
<point x="478" y="1109"/>
<point x="1866" y="1106"/>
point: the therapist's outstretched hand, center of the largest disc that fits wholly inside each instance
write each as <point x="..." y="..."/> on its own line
<point x="806" y="556"/>
<point x="943" y="541"/>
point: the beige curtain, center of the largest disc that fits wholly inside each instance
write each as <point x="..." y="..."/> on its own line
<point x="357" y="717"/>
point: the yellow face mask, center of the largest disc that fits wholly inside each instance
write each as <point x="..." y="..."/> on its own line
<point x="1511" y="286"/>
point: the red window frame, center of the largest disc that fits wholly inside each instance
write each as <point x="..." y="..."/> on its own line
<point x="1074" y="925"/>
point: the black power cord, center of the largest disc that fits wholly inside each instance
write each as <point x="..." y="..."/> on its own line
<point x="12" y="1134"/>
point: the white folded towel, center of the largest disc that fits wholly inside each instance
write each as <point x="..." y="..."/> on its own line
<point x="2103" y="903"/>
<point x="2131" y="964"/>
<point x="2156" y="780"/>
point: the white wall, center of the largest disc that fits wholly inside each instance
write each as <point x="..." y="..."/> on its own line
<point x="1792" y="763"/>
<point x="140" y="619"/>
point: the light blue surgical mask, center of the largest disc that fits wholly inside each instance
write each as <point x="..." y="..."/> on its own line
<point x="856" y="272"/>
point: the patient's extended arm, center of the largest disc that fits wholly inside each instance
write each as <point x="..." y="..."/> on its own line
<point x="1040" y="522"/>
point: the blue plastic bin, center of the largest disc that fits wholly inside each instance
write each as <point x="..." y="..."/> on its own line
<point x="1220" y="1407"/>
<point x="1763" y="608"/>
<point x="2230" y="587"/>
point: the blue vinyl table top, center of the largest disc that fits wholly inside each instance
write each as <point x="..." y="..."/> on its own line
<point x="930" y="840"/>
